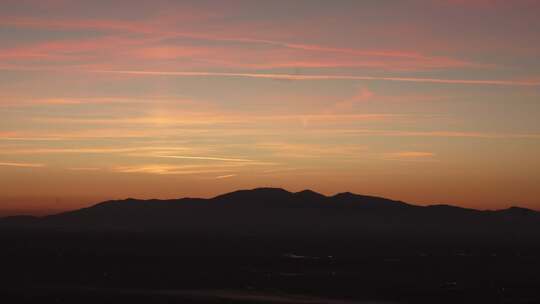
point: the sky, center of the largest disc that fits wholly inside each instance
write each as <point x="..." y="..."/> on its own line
<point x="424" y="101"/>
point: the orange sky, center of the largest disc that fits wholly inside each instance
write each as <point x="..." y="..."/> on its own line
<point x="423" y="101"/>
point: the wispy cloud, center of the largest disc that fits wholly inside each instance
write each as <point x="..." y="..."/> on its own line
<point x="450" y="134"/>
<point x="96" y="150"/>
<point x="271" y="56"/>
<point x="226" y="132"/>
<point x="295" y="150"/>
<point x="161" y="169"/>
<point x="208" y="118"/>
<point x="279" y="170"/>
<point x="84" y="169"/>
<point x="225" y="176"/>
<point x="225" y="159"/>
<point x="11" y="102"/>
<point x="410" y="156"/>
<point x="22" y="165"/>
<point x="363" y="95"/>
<point x="324" y="77"/>
<point x="90" y="134"/>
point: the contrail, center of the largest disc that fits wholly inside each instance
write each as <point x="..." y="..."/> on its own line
<point x="323" y="77"/>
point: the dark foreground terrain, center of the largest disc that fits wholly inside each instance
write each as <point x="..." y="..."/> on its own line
<point x="359" y="250"/>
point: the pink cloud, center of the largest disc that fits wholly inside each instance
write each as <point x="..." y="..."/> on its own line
<point x="363" y="95"/>
<point x="150" y="45"/>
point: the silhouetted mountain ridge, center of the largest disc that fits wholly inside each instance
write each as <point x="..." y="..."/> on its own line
<point x="278" y="211"/>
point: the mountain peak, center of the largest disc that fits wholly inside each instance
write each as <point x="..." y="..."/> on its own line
<point x="263" y="193"/>
<point x="269" y="189"/>
<point x="346" y="196"/>
<point x="514" y="210"/>
<point x="309" y="194"/>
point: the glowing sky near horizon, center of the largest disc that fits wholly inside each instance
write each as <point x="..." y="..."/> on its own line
<point x="424" y="101"/>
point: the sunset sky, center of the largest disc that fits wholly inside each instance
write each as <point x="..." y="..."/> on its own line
<point x="434" y="101"/>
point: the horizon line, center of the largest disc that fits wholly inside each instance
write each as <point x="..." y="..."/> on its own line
<point x="43" y="215"/>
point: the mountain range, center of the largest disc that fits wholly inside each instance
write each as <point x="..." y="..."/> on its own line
<point x="274" y="211"/>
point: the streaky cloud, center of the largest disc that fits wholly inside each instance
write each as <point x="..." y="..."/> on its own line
<point x="410" y="156"/>
<point x="22" y="165"/>
<point x="84" y="169"/>
<point x="225" y="176"/>
<point x="323" y="77"/>
<point x="450" y="134"/>
<point x="206" y="158"/>
<point x="171" y="169"/>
